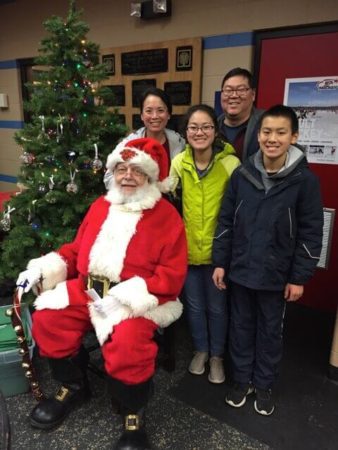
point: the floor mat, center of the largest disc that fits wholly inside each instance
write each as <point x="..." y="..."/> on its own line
<point x="306" y="414"/>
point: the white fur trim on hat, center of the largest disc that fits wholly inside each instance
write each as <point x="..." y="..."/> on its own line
<point x="141" y="159"/>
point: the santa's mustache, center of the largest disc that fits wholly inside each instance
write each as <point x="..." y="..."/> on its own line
<point x="128" y="184"/>
<point x="119" y="197"/>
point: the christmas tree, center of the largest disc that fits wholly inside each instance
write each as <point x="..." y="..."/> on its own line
<point x="64" y="145"/>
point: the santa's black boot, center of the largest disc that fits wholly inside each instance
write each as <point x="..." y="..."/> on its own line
<point x="133" y="399"/>
<point x="74" y="390"/>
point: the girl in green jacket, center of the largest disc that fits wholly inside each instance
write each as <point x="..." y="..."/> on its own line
<point x="202" y="172"/>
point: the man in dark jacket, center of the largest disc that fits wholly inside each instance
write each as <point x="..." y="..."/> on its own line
<point x="267" y="243"/>
<point x="239" y="122"/>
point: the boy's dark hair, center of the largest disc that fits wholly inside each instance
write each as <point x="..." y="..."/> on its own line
<point x="201" y="107"/>
<point x="281" y="111"/>
<point x="158" y="93"/>
<point x="238" y="71"/>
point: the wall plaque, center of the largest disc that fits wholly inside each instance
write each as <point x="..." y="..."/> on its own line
<point x="175" y="122"/>
<point x="144" y="61"/>
<point x="179" y="92"/>
<point x="184" y="58"/>
<point x="109" y="61"/>
<point x="138" y="87"/>
<point x="119" y="96"/>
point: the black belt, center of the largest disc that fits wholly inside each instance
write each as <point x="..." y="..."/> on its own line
<point x="100" y="284"/>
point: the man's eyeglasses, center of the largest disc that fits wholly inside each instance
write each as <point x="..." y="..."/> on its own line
<point x="241" y="91"/>
<point x="193" y="129"/>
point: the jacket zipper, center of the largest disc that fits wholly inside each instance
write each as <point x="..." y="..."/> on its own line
<point x="290" y="222"/>
<point x="236" y="211"/>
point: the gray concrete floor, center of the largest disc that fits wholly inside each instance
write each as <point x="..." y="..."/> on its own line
<point x="171" y="424"/>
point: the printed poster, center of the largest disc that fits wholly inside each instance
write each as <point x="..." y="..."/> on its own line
<point x="315" y="101"/>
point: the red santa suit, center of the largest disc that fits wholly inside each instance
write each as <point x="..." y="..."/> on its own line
<point x="141" y="247"/>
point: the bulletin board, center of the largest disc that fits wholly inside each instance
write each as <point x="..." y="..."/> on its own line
<point x="174" y="66"/>
<point x="300" y="52"/>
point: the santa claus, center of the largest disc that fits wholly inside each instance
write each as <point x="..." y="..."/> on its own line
<point x="121" y="275"/>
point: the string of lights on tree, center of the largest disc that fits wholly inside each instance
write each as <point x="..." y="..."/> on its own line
<point x="64" y="144"/>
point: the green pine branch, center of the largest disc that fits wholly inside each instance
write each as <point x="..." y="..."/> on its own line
<point x="68" y="122"/>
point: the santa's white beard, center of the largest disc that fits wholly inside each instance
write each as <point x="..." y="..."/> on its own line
<point x="142" y="195"/>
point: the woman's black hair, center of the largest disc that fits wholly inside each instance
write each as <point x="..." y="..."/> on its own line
<point x="158" y="93"/>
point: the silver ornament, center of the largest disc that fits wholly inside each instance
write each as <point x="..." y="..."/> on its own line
<point x="72" y="187"/>
<point x="27" y="158"/>
<point x="97" y="164"/>
<point x="5" y="223"/>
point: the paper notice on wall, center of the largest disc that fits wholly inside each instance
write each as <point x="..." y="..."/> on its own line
<point x="315" y="101"/>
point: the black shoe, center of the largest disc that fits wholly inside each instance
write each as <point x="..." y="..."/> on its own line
<point x="236" y="397"/>
<point x="133" y="440"/>
<point x="264" y="404"/>
<point x="134" y="436"/>
<point x="50" y="412"/>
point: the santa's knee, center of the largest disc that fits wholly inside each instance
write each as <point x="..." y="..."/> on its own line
<point x="130" y="352"/>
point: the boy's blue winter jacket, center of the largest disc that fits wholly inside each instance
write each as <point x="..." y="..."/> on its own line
<point x="269" y="231"/>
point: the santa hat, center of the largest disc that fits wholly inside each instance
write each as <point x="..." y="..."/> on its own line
<point x="146" y="153"/>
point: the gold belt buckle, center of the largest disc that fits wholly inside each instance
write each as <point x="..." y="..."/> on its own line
<point x="94" y="280"/>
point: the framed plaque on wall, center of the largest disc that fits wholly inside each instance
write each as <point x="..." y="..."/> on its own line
<point x="109" y="61"/>
<point x="138" y="87"/>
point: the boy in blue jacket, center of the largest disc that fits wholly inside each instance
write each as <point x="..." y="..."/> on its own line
<point x="267" y="244"/>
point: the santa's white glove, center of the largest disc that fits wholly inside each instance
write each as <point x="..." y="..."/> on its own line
<point x="28" y="278"/>
<point x="107" y="305"/>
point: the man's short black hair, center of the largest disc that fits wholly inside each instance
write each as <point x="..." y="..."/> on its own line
<point x="239" y="71"/>
<point x="282" y="111"/>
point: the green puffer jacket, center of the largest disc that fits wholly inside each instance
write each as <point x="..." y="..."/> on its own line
<point x="201" y="198"/>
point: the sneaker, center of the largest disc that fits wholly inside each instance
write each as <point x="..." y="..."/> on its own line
<point x="236" y="397"/>
<point x="264" y="402"/>
<point x="197" y="365"/>
<point x="216" y="374"/>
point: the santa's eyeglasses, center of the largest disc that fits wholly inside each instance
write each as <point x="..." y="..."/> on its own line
<point x="134" y="170"/>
